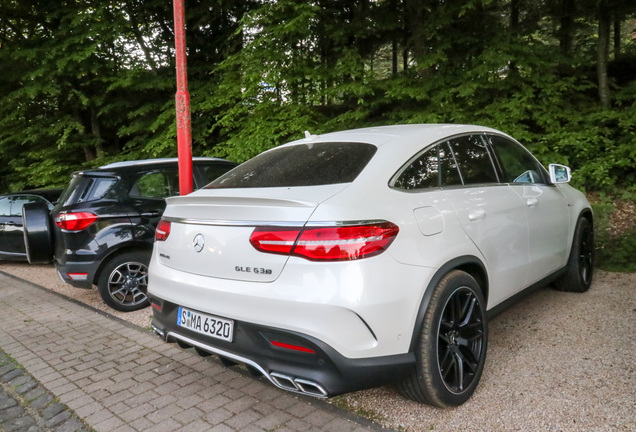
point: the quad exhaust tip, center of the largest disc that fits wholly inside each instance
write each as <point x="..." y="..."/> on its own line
<point x="298" y="385"/>
<point x="282" y="381"/>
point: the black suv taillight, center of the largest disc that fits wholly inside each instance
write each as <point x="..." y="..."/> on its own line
<point x="75" y="221"/>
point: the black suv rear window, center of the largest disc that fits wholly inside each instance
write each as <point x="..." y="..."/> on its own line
<point x="86" y="188"/>
<point x="311" y="164"/>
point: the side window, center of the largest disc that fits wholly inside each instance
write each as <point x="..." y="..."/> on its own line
<point x="5" y="207"/>
<point x="156" y="184"/>
<point x="474" y="160"/>
<point x="515" y="163"/>
<point x="431" y="169"/>
<point x="207" y="173"/>
<point x="421" y="173"/>
<point x="448" y="167"/>
<point x="19" y="201"/>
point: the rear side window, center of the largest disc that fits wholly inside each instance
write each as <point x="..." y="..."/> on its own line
<point x="207" y="173"/>
<point x="311" y="164"/>
<point x="86" y="188"/>
<point x="157" y="184"/>
<point x="433" y="168"/>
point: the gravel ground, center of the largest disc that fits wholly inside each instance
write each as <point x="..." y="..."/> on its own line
<point x="556" y="362"/>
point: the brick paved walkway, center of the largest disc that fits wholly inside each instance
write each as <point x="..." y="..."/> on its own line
<point x="117" y="377"/>
<point x="25" y="405"/>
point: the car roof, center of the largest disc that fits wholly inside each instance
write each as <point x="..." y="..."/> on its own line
<point x="142" y="162"/>
<point x="380" y="135"/>
<point x="123" y="167"/>
<point x="49" y="194"/>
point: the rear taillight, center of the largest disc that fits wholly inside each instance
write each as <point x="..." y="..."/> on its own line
<point x="75" y="221"/>
<point x="274" y="240"/>
<point x="163" y="230"/>
<point x="333" y="243"/>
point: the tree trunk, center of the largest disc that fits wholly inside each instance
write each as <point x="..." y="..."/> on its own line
<point x="97" y="133"/>
<point x="602" y="58"/>
<point x="514" y="28"/>
<point x="617" y="37"/>
<point x="567" y="26"/>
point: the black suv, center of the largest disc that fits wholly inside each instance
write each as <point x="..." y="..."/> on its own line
<point x="102" y="228"/>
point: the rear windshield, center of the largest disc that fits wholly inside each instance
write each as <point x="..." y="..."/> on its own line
<point x="85" y="188"/>
<point x="311" y="164"/>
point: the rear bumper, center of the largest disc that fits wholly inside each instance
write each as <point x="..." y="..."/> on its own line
<point x="77" y="274"/>
<point x="321" y="372"/>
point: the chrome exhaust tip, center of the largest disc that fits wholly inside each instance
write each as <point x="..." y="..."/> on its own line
<point x="159" y="332"/>
<point x="298" y="385"/>
<point x="284" y="382"/>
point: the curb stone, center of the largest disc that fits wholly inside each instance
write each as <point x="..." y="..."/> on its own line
<point x="25" y="405"/>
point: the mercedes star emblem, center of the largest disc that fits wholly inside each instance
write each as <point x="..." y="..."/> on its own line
<point x="198" y="242"/>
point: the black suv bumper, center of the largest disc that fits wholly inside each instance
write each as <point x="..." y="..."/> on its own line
<point x="317" y="371"/>
<point x="78" y="274"/>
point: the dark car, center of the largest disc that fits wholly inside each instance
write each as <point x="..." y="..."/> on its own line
<point x="104" y="223"/>
<point x="11" y="229"/>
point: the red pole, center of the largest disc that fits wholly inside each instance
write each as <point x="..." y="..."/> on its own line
<point x="182" y="99"/>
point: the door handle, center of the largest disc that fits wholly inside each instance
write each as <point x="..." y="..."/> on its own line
<point x="532" y="202"/>
<point x="476" y="214"/>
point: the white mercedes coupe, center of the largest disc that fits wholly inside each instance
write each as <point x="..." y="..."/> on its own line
<point x="353" y="259"/>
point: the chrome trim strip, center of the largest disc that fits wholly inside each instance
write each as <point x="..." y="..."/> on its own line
<point x="232" y="223"/>
<point x="253" y="223"/>
<point x="271" y="377"/>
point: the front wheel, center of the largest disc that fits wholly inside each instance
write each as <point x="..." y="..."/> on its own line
<point x="580" y="267"/>
<point x="451" y="350"/>
<point x="123" y="283"/>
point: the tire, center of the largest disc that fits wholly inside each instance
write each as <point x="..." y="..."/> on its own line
<point x="451" y="350"/>
<point x="580" y="266"/>
<point x="38" y="240"/>
<point x="123" y="282"/>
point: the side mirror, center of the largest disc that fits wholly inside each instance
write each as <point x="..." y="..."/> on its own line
<point x="560" y="173"/>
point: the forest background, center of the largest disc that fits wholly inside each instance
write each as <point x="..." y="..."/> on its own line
<point x="87" y="82"/>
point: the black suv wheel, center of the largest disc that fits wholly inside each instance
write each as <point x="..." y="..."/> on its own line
<point x="123" y="283"/>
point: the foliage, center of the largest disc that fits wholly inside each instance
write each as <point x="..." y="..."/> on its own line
<point x="621" y="257"/>
<point x="86" y="82"/>
<point x="614" y="251"/>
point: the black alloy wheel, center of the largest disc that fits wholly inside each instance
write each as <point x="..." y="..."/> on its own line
<point x="460" y="342"/>
<point x="586" y="254"/>
<point x="451" y="345"/>
<point x="580" y="266"/>
<point x="123" y="283"/>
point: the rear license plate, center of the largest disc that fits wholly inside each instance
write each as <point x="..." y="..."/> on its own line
<point x="208" y="325"/>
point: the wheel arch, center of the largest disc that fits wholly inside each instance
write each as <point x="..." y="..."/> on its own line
<point x="131" y="247"/>
<point x="469" y="264"/>
<point x="587" y="214"/>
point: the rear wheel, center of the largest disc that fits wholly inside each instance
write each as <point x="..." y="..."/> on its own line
<point x="451" y="349"/>
<point x="580" y="267"/>
<point x="38" y="239"/>
<point x="123" y="283"/>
